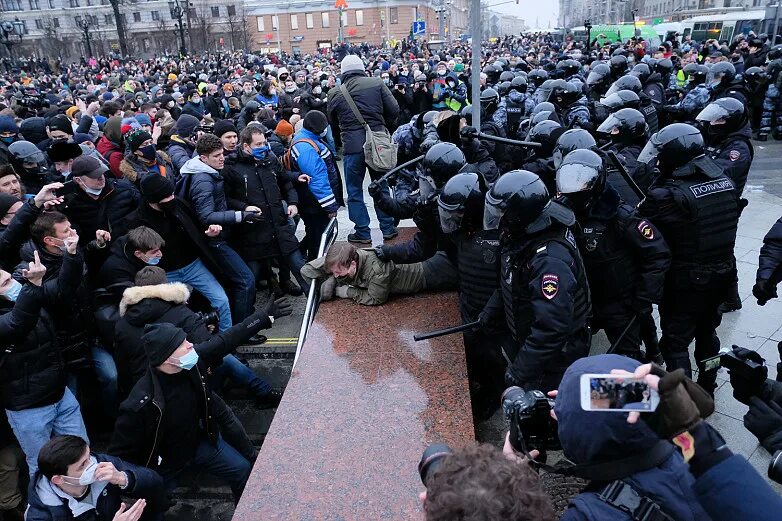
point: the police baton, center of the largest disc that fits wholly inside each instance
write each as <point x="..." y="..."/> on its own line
<point x="446" y="331"/>
<point x="623" y="172"/>
<point x="621" y="337"/>
<point x="397" y="168"/>
<point x="514" y="142"/>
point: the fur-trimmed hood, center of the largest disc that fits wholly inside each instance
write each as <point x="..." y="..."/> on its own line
<point x="174" y="292"/>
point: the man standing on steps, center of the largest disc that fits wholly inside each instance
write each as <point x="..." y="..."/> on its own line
<point x="379" y="109"/>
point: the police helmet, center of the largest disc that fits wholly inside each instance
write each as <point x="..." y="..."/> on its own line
<point x="642" y="72"/>
<point x="515" y="201"/>
<point x="506" y="76"/>
<point x="581" y="178"/>
<point x="775" y="52"/>
<point x="503" y="88"/>
<point x="621" y="100"/>
<point x="673" y="146"/>
<point x="618" y="65"/>
<point x="755" y="75"/>
<point x="442" y="161"/>
<point x="625" y="126"/>
<point x="545" y="106"/>
<point x="722" y="73"/>
<point x="723" y="117"/>
<point x="573" y="139"/>
<point x="696" y="73"/>
<point x="429" y="116"/>
<point x="26" y="157"/>
<point x="546" y="133"/>
<point x="460" y="197"/>
<point x="627" y="82"/>
<point x="537" y="77"/>
<point x="569" y="67"/>
<point x="490" y="98"/>
<point x="664" y="67"/>
<point x="599" y="76"/>
<point x="564" y="93"/>
<point x="519" y="84"/>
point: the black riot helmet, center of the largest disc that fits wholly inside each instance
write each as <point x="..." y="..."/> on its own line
<point x="506" y="76"/>
<point x="722" y="117"/>
<point x="569" y="67"/>
<point x="755" y="75"/>
<point x="673" y="146"/>
<point x="775" y="52"/>
<point x="695" y="73"/>
<point x="442" y="162"/>
<point x="490" y="98"/>
<point x="429" y="116"/>
<point x="492" y="73"/>
<point x="642" y="72"/>
<point x="664" y="67"/>
<point x="519" y="84"/>
<point x="722" y="73"/>
<point x="466" y="113"/>
<point x="625" y="126"/>
<point x="544" y="116"/>
<point x="627" y="82"/>
<point x="514" y="202"/>
<point x="622" y="99"/>
<point x="618" y="65"/>
<point x="503" y="88"/>
<point x="544" y="90"/>
<point x="546" y="106"/>
<point x="546" y="133"/>
<point x="461" y="201"/>
<point x="564" y="93"/>
<point x="599" y="77"/>
<point x="581" y="179"/>
<point x="537" y="77"/>
<point x="570" y="140"/>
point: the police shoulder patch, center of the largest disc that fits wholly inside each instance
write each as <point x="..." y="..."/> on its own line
<point x="734" y="155"/>
<point x="646" y="230"/>
<point x="549" y="285"/>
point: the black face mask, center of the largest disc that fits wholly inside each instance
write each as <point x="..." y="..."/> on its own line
<point x="168" y="206"/>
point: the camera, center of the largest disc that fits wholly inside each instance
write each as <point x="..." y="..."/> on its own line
<point x="587" y="24"/>
<point x="747" y="373"/>
<point x="528" y="414"/>
<point x="775" y="467"/>
<point x="210" y="318"/>
<point x="431" y="458"/>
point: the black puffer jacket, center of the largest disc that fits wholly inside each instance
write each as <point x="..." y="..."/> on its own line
<point x="108" y="212"/>
<point x="13" y="236"/>
<point x="32" y="373"/>
<point x="120" y="266"/>
<point x="207" y="195"/>
<point x="249" y="182"/>
<point x="143" y="305"/>
<point x="373" y="99"/>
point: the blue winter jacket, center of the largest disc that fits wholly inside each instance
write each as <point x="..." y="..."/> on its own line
<point x="313" y="164"/>
<point x="591" y="437"/>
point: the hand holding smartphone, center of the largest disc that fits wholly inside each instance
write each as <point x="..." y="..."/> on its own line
<point x="612" y="393"/>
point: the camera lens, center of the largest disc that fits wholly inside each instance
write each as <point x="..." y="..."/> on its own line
<point x="775" y="467"/>
<point x="431" y="459"/>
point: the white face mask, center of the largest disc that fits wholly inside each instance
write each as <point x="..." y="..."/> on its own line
<point x="87" y="477"/>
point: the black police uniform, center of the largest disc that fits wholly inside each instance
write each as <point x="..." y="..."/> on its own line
<point x="547" y="305"/>
<point x="626" y="259"/>
<point x="769" y="271"/>
<point x="515" y="112"/>
<point x="734" y="155"/>
<point x="696" y="209"/>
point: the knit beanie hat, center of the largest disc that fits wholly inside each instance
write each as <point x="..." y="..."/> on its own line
<point x="135" y="138"/>
<point x="223" y="126"/>
<point x="8" y="125"/>
<point x="351" y="62"/>
<point x="143" y="119"/>
<point x="62" y="123"/>
<point x="315" y="121"/>
<point x="284" y="129"/>
<point x="6" y="202"/>
<point x="160" y="340"/>
<point x="151" y="276"/>
<point x="185" y="125"/>
<point x="155" y="188"/>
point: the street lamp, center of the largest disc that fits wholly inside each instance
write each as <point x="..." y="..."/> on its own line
<point x="11" y="34"/>
<point x="177" y="12"/>
<point x="84" y="24"/>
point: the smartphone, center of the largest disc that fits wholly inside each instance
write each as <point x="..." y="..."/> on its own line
<point x="610" y="393"/>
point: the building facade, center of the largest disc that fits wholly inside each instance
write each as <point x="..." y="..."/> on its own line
<point x="306" y="26"/>
<point x="51" y="28"/>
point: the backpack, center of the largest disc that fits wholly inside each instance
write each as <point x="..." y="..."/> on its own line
<point x="288" y="161"/>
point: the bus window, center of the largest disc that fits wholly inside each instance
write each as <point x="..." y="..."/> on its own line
<point x="726" y="34"/>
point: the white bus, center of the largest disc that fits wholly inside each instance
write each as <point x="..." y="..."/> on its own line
<point x="723" y="27"/>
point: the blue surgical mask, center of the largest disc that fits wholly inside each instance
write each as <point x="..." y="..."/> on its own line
<point x="153" y="261"/>
<point x="13" y="292"/>
<point x="188" y="361"/>
<point x="261" y="153"/>
<point x="8" y="139"/>
<point x="93" y="191"/>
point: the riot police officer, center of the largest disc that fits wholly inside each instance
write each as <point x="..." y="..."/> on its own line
<point x="697" y="97"/>
<point x="651" y="82"/>
<point x="536" y="78"/>
<point x="628" y="132"/>
<point x="647" y="106"/>
<point x="696" y="208"/>
<point x="542" y="278"/>
<point x="460" y="205"/>
<point x="513" y="107"/>
<point x="723" y="83"/>
<point x="756" y="82"/>
<point x="728" y="142"/>
<point x="539" y="160"/>
<point x="625" y="255"/>
<point x="571" y="104"/>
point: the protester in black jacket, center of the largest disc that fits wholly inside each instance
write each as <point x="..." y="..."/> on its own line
<point x="255" y="181"/>
<point x="15" y="220"/>
<point x="173" y="420"/>
<point x="32" y="374"/>
<point x="140" y="247"/>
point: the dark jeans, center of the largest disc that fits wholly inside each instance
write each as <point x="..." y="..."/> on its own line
<point x="242" y="294"/>
<point x="241" y="375"/>
<point x="222" y="461"/>
<point x="314" y="226"/>
<point x="355" y="171"/>
<point x="291" y="263"/>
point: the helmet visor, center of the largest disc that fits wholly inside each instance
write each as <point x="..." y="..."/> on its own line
<point x="713" y="112"/>
<point x="610" y="123"/>
<point x="613" y="88"/>
<point x="450" y="220"/>
<point x="492" y="212"/>
<point x="649" y="153"/>
<point x="574" y="178"/>
<point x="426" y="187"/>
<point x="595" y="78"/>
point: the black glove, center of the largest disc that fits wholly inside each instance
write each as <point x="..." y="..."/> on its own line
<point x="468" y="132"/>
<point x="763" y="420"/>
<point x="763" y="291"/>
<point x="374" y="189"/>
<point x="278" y="308"/>
<point x="252" y="217"/>
<point x="682" y="403"/>
<point x="744" y="388"/>
<point x="381" y="253"/>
